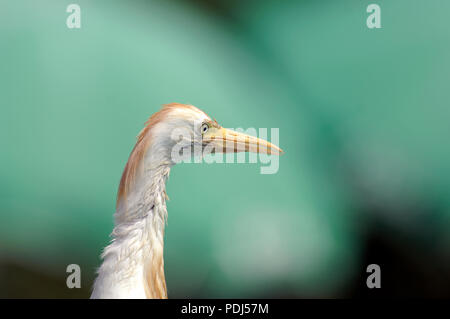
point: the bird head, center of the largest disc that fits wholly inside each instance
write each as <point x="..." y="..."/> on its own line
<point x="184" y="129"/>
<point x="187" y="128"/>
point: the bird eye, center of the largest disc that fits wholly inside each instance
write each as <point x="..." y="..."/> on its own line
<point x="204" y="128"/>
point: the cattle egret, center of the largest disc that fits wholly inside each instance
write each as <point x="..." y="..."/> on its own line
<point x="133" y="265"/>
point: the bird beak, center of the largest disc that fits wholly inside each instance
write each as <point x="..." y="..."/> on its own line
<point x="228" y="141"/>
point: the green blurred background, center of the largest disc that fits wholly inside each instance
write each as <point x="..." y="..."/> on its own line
<point x="363" y="116"/>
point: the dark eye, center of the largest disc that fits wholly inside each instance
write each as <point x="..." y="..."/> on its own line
<point x="204" y="128"/>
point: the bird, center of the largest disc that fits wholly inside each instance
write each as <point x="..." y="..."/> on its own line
<point x="132" y="264"/>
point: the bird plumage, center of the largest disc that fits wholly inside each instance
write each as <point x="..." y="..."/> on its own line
<point x="133" y="263"/>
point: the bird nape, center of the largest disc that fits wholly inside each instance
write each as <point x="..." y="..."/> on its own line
<point x="133" y="264"/>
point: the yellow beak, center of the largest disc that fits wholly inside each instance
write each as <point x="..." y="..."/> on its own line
<point x="229" y="141"/>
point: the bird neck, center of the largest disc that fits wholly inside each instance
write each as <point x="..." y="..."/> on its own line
<point x="135" y="256"/>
